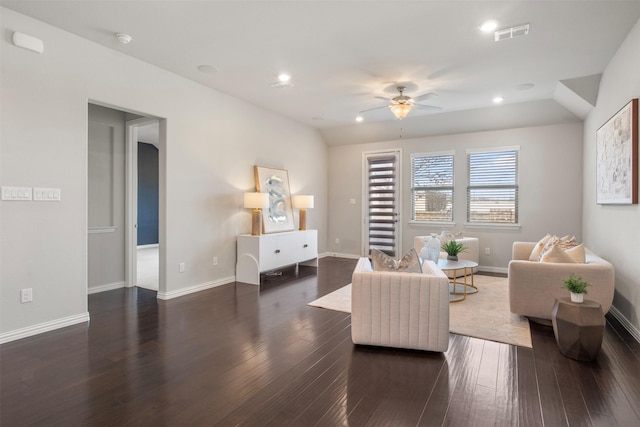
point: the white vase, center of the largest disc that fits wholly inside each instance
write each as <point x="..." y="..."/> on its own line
<point x="577" y="298"/>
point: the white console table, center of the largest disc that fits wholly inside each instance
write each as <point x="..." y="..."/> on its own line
<point x="258" y="254"/>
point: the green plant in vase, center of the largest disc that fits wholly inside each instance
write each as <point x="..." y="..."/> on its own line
<point x="577" y="287"/>
<point x="453" y="248"/>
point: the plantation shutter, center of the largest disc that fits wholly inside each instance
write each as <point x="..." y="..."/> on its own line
<point x="492" y="194"/>
<point x="382" y="215"/>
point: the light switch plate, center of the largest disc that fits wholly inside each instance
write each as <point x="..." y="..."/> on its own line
<point x="16" y="193"/>
<point x="47" y="194"/>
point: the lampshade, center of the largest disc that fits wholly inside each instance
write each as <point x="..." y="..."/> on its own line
<point x="400" y="110"/>
<point x="303" y="202"/>
<point x="256" y="200"/>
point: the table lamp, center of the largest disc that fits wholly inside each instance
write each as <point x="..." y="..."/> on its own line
<point x="303" y="202"/>
<point x="257" y="202"/>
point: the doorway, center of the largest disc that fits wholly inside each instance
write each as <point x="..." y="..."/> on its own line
<point x="113" y="169"/>
<point x="381" y="202"/>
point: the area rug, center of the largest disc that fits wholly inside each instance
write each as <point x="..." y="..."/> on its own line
<point x="482" y="315"/>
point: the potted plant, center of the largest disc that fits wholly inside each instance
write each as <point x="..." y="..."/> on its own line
<point x="577" y="287"/>
<point x="453" y="248"/>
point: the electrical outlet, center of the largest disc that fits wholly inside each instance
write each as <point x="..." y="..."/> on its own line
<point x="181" y="267"/>
<point x="215" y="260"/>
<point x="337" y="241"/>
<point x="487" y="251"/>
<point x="26" y="295"/>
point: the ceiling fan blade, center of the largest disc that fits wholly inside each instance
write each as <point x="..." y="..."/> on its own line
<point x="425" y="96"/>
<point x="383" y="98"/>
<point x="376" y="108"/>
<point x="427" y="107"/>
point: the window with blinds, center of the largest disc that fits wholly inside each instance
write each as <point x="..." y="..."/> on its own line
<point x="382" y="216"/>
<point x="492" y="194"/>
<point x="432" y="187"/>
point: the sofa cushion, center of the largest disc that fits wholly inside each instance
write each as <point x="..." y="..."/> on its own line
<point x="409" y="263"/>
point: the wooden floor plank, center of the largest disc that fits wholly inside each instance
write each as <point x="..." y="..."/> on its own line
<point x="245" y="355"/>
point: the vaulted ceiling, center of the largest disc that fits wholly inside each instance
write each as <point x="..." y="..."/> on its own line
<point x="342" y="54"/>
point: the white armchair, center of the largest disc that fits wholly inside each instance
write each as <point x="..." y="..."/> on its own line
<point x="403" y="310"/>
<point x="472" y="253"/>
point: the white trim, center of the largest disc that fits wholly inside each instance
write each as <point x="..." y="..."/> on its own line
<point x="343" y="255"/>
<point x="196" y="288"/>
<point x="434" y="153"/>
<point x="43" y="327"/>
<point x="100" y="230"/>
<point x="491" y="149"/>
<point x="489" y="269"/>
<point x="104" y="288"/>
<point x="438" y="224"/>
<point x="325" y="255"/>
<point x="151" y="246"/>
<point x="490" y="225"/>
<point x="635" y="333"/>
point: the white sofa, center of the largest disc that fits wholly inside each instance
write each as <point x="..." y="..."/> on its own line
<point x="403" y="310"/>
<point x="472" y="253"/>
<point x="534" y="286"/>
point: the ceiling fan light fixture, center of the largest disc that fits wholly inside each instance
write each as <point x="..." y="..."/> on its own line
<point x="400" y="110"/>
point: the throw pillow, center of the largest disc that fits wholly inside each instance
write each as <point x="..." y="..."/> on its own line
<point x="577" y="253"/>
<point x="558" y="255"/>
<point x="564" y="242"/>
<point x="537" y="249"/>
<point x="409" y="263"/>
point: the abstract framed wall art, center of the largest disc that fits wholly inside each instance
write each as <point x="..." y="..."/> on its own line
<point x="275" y="182"/>
<point x="617" y="158"/>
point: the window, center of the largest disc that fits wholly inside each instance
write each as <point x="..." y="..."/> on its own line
<point x="432" y="187"/>
<point x="492" y="194"/>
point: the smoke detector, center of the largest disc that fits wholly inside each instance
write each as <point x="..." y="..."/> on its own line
<point x="124" y="38"/>
<point x="509" y="33"/>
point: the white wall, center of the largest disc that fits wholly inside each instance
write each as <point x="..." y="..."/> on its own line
<point x="213" y="141"/>
<point x="613" y="231"/>
<point x="106" y="198"/>
<point x="550" y="188"/>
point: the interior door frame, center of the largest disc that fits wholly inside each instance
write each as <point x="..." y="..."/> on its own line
<point x="365" y="198"/>
<point x="131" y="198"/>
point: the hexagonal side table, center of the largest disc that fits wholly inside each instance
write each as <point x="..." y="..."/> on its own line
<point x="578" y="328"/>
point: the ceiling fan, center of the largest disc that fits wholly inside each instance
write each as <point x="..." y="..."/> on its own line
<point x="402" y="104"/>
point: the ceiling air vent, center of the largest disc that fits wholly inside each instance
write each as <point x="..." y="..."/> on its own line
<point x="509" y="33"/>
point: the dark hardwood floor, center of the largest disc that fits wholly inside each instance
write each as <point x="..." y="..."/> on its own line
<point x="249" y="356"/>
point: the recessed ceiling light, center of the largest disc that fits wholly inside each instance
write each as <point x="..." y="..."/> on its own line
<point x="208" y="69"/>
<point x="488" y="26"/>
<point x="498" y="99"/>
<point x="359" y="119"/>
<point x="284" y="77"/>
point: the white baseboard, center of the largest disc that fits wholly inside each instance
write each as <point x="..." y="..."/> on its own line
<point x="104" y="288"/>
<point x="43" y="327"/>
<point x="195" y="288"/>
<point x="490" y="269"/>
<point x="342" y="255"/>
<point x="635" y="333"/>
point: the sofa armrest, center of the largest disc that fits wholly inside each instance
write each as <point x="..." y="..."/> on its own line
<point x="522" y="250"/>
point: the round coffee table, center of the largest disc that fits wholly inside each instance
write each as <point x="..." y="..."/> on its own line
<point x="458" y="290"/>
